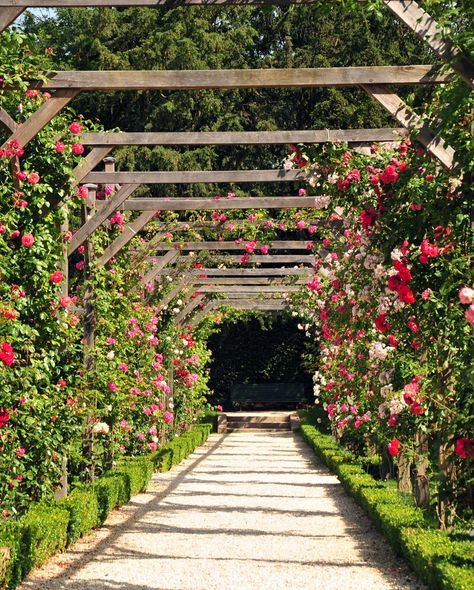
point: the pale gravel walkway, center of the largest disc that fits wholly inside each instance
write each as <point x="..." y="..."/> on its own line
<point x="246" y="511"/>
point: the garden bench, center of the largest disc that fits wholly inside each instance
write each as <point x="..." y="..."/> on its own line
<point x="267" y="395"/>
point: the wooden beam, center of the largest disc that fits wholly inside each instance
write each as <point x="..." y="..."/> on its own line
<point x="250" y="304"/>
<point x="257" y="289"/>
<point x="210" y="306"/>
<point x="8" y="15"/>
<point x="252" y="272"/>
<point x="87" y="164"/>
<point x="7" y="122"/>
<point x="175" y="291"/>
<point x="213" y="204"/>
<point x="433" y="143"/>
<point x="426" y="27"/>
<point x="189" y="308"/>
<point x="216" y="245"/>
<point x="197" y="176"/>
<point x="231" y="79"/>
<point x="129" y="231"/>
<point x="145" y="250"/>
<point x="244" y="137"/>
<point x="163" y="261"/>
<point x="47" y="111"/>
<point x="99" y="217"/>
<point x="269" y="259"/>
<point x="243" y="281"/>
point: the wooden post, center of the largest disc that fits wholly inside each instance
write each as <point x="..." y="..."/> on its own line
<point x="62" y="490"/>
<point x="89" y="318"/>
<point x="403" y="479"/>
<point x="422" y="485"/>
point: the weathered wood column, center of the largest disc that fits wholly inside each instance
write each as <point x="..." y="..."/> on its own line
<point x="89" y="321"/>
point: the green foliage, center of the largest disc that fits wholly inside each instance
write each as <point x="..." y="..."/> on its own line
<point x="138" y="471"/>
<point x="44" y="532"/>
<point x="178" y="449"/>
<point x="83" y="507"/>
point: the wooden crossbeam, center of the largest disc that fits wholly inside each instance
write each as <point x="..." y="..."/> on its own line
<point x="207" y="309"/>
<point x="195" y="176"/>
<point x="253" y="303"/>
<point x="8" y="15"/>
<point x="158" y="267"/>
<point x="246" y="289"/>
<point x="189" y="308"/>
<point x="7" y="122"/>
<point x="99" y="217"/>
<point x="233" y="79"/>
<point x="434" y="144"/>
<point x="243" y="137"/>
<point x="25" y="132"/>
<point x="216" y="245"/>
<point x="180" y="285"/>
<point x="426" y="27"/>
<point x="251" y="272"/>
<point x="129" y="231"/>
<point x="270" y="259"/>
<point x="213" y="204"/>
<point x="242" y="280"/>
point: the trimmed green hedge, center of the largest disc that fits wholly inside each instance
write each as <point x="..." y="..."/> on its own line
<point x="48" y="528"/>
<point x="178" y="449"/>
<point x="443" y="562"/>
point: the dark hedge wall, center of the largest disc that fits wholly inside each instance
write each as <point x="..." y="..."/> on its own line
<point x="265" y="349"/>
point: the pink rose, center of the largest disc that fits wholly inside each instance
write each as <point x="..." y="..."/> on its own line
<point x="65" y="301"/>
<point x="27" y="240"/>
<point x="82" y="192"/>
<point x="168" y="417"/>
<point x="470" y="314"/>
<point x="60" y="147"/>
<point x="466" y="295"/>
<point x="33" y="178"/>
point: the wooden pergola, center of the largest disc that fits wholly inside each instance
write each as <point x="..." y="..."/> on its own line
<point x="238" y="286"/>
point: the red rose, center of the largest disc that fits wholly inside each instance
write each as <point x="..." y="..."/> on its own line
<point x="27" y="240"/>
<point x="381" y="323"/>
<point x="4" y="417"/>
<point x="464" y="447"/>
<point x="75" y="128"/>
<point x="60" y="147"/>
<point x="394" y="447"/>
<point x="389" y="175"/>
<point x="56" y="277"/>
<point x="6" y="354"/>
<point x="405" y="294"/>
<point x="78" y="149"/>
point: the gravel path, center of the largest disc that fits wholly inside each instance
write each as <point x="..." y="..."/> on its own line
<point x="246" y="511"/>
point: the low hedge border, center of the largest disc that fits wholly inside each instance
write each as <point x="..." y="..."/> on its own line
<point x="47" y="529"/>
<point x="441" y="561"/>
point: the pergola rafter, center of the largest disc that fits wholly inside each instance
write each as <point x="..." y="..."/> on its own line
<point x="114" y="140"/>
